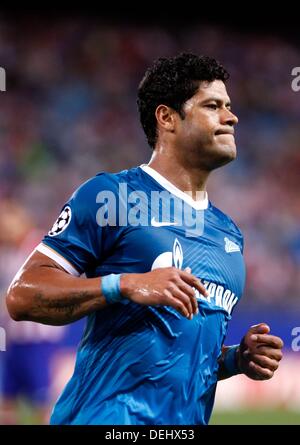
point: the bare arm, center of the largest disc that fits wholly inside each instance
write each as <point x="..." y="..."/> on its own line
<point x="44" y="292"/>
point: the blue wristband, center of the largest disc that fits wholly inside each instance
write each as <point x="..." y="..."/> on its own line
<point x="230" y="360"/>
<point x="110" y="287"/>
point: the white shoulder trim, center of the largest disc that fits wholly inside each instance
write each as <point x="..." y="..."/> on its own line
<point x="58" y="258"/>
<point x="201" y="204"/>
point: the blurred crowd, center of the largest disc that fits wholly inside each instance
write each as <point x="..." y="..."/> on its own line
<point x="70" y="111"/>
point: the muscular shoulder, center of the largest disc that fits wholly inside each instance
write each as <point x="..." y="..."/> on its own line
<point x="103" y="181"/>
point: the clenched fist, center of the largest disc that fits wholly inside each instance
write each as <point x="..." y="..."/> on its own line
<point x="259" y="353"/>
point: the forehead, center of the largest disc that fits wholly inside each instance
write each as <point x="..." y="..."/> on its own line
<point x="214" y="90"/>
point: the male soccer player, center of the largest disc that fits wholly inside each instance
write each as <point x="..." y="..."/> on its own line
<point x="161" y="280"/>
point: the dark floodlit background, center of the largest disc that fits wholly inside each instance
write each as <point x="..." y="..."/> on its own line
<point x="70" y="111"/>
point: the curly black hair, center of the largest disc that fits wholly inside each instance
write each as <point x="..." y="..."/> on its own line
<point x="172" y="81"/>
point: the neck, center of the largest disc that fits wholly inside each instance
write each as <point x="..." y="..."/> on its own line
<point x="185" y="177"/>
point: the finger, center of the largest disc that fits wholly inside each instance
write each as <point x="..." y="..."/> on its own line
<point x="260" y="373"/>
<point x="178" y="295"/>
<point x="188" y="270"/>
<point x="185" y="299"/>
<point x="188" y="290"/>
<point x="267" y="339"/>
<point x="176" y="304"/>
<point x="275" y="354"/>
<point x="265" y="362"/>
<point x="260" y="328"/>
<point x="193" y="281"/>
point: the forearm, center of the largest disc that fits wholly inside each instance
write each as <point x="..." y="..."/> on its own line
<point x="53" y="297"/>
<point x="44" y="292"/>
<point x="226" y="371"/>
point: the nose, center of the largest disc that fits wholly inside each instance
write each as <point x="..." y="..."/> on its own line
<point x="229" y="118"/>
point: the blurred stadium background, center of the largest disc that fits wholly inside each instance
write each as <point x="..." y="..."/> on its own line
<point x="70" y="111"/>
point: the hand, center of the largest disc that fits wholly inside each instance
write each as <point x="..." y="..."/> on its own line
<point x="166" y="286"/>
<point x="259" y="353"/>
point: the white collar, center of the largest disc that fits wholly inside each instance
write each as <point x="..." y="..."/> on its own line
<point x="201" y="204"/>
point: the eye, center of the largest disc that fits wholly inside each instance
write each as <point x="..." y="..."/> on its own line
<point x="212" y="106"/>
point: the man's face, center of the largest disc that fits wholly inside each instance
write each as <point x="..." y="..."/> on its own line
<point x="205" y="137"/>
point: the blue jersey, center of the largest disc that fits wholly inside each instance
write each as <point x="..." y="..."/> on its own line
<point x="141" y="364"/>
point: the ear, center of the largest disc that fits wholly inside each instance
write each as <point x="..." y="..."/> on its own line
<point x="165" y="117"/>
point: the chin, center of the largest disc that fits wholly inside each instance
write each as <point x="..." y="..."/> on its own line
<point x="230" y="153"/>
<point x="223" y="156"/>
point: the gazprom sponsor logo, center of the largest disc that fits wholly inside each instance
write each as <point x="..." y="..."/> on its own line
<point x="218" y="296"/>
<point x="177" y="254"/>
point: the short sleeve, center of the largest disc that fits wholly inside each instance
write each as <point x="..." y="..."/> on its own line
<point x="75" y="239"/>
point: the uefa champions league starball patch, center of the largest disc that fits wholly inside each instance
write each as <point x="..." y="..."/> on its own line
<point x="62" y="222"/>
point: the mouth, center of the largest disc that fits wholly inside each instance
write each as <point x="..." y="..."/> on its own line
<point x="222" y="132"/>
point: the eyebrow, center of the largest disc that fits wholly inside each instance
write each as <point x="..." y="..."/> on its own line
<point x="217" y="100"/>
